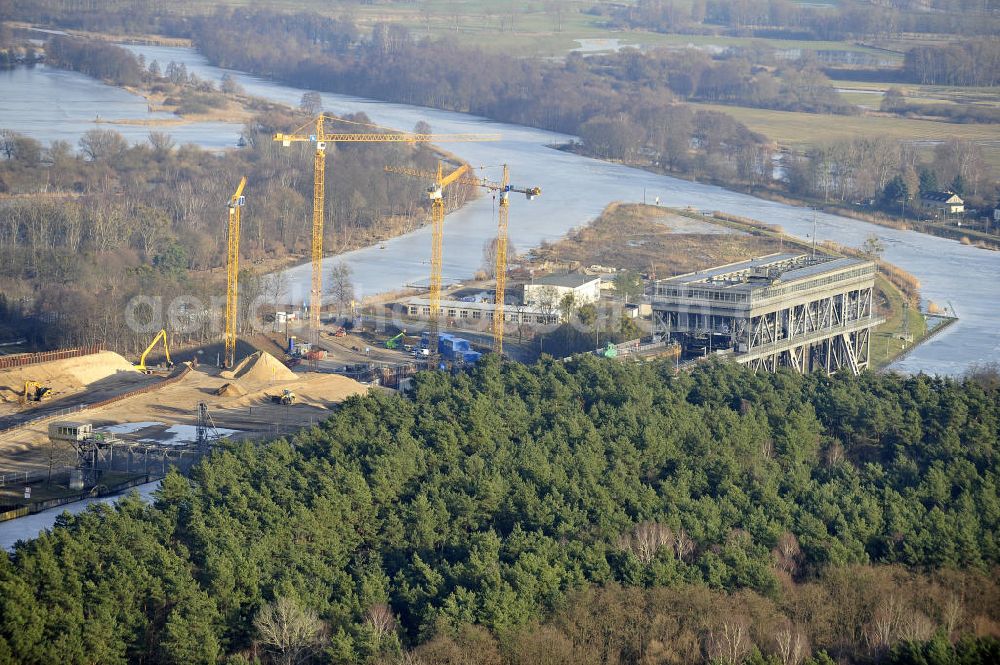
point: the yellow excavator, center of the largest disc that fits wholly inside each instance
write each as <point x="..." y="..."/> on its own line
<point x="35" y="392"/>
<point x="166" y="350"/>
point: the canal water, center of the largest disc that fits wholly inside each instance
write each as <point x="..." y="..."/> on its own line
<point x="51" y="104"/>
<point x="24" y="528"/>
<point x="47" y="103"/>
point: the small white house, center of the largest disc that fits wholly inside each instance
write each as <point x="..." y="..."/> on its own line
<point x="551" y="289"/>
<point x="69" y="431"/>
<point x="943" y="203"/>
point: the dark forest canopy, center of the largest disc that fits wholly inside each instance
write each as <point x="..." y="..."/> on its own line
<point x="974" y="62"/>
<point x="95" y="58"/>
<point x="579" y="508"/>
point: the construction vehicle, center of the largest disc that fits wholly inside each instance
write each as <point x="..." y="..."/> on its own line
<point x="236" y="202"/>
<point x="286" y="397"/>
<point x="166" y="350"/>
<point x="316" y="353"/>
<point x="504" y="189"/>
<point x="610" y="351"/>
<point x="320" y="138"/>
<point x="341" y="332"/>
<point x="35" y="392"/>
<point x="393" y="343"/>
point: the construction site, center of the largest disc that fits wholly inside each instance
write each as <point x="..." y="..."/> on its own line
<point x="88" y="421"/>
<point x="159" y="411"/>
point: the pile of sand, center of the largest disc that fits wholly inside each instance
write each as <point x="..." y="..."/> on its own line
<point x="68" y="375"/>
<point x="260" y="368"/>
<point x="313" y="389"/>
<point x="232" y="389"/>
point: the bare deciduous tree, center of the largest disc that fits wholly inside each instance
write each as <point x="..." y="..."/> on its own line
<point x="288" y="630"/>
<point x="952" y="613"/>
<point x="103" y="144"/>
<point x="311" y="103"/>
<point x="275" y="286"/>
<point x="683" y="545"/>
<point x="162" y="143"/>
<point x="646" y="539"/>
<point x="882" y="629"/>
<point x="730" y="643"/>
<point x="791" y="645"/>
<point x="341" y="286"/>
<point x="873" y="247"/>
<point x="787" y="552"/>
<point x="915" y="626"/>
<point x="380" y="619"/>
<point x="548" y="300"/>
<point x="489" y="265"/>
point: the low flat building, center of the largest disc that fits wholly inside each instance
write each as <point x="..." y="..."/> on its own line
<point x="551" y="289"/>
<point x="460" y="311"/>
<point x="782" y="310"/>
<point x="943" y="203"/>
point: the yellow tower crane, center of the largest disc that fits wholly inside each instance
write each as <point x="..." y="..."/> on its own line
<point x="233" y="271"/>
<point x="320" y="138"/>
<point x="504" y="189"/>
<point x="436" y="194"/>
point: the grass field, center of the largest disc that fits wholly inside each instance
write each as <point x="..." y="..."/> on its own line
<point x="800" y="130"/>
<point x="921" y="94"/>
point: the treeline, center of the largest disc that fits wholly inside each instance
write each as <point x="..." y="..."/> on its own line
<point x="621" y="105"/>
<point x="784" y="19"/>
<point x="969" y="62"/>
<point x="181" y="89"/>
<point x="83" y="231"/>
<point x="889" y="174"/>
<point x="95" y="58"/>
<point x="588" y="510"/>
<point x="15" y="51"/>
<point x="895" y="101"/>
<point x="135" y="17"/>
<point x="691" y="624"/>
<point x="559" y="96"/>
<point x="732" y="79"/>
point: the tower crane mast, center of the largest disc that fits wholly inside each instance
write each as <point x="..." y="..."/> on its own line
<point x="236" y="202"/>
<point x="436" y="195"/>
<point x="504" y="189"/>
<point x="321" y="138"/>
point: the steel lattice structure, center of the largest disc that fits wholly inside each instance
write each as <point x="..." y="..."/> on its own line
<point x="784" y="310"/>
